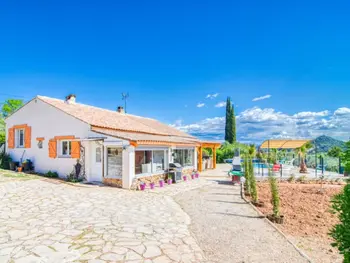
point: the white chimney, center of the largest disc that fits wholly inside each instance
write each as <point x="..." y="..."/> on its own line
<point x="120" y="109"/>
<point x="70" y="99"/>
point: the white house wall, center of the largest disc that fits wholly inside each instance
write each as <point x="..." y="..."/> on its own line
<point x="48" y="122"/>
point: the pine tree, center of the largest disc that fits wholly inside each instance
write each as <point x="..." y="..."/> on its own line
<point x="228" y="124"/>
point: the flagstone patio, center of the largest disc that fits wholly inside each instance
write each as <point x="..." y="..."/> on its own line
<point x="42" y="221"/>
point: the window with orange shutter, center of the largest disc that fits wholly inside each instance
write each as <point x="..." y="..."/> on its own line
<point x="11" y="138"/>
<point x="27" y="137"/>
<point x="75" y="150"/>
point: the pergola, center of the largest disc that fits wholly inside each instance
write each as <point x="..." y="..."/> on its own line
<point x="287" y="144"/>
<point x="283" y="144"/>
<point x="211" y="145"/>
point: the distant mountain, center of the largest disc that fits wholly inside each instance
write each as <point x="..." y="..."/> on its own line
<point x="325" y="143"/>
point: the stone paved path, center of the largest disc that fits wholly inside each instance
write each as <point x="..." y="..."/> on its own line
<point x="229" y="230"/>
<point x="49" y="222"/>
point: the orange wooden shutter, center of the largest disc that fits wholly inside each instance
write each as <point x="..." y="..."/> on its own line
<point x="27" y="137"/>
<point x="11" y="138"/>
<point x="52" y="148"/>
<point x="75" y="153"/>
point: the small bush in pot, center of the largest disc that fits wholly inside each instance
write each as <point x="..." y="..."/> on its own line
<point x="161" y="183"/>
<point x="142" y="186"/>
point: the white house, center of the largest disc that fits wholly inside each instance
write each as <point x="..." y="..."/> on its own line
<point x="113" y="147"/>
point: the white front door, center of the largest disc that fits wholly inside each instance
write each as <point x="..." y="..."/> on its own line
<point x="96" y="162"/>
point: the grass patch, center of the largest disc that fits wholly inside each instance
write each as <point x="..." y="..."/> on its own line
<point x="20" y="176"/>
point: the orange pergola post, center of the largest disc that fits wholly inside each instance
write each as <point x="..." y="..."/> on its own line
<point x="200" y="157"/>
<point x="214" y="157"/>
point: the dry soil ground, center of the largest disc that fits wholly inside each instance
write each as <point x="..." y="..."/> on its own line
<point x="306" y="208"/>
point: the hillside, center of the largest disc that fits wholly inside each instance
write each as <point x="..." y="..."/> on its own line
<point x="324" y="143"/>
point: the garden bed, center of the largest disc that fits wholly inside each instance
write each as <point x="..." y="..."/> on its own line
<point x="307" y="219"/>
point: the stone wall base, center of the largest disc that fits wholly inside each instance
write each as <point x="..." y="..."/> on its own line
<point x="113" y="182"/>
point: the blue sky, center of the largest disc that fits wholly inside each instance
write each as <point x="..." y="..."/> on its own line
<point x="169" y="55"/>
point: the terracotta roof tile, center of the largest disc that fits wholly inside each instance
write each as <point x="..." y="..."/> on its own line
<point x="113" y="119"/>
<point x="143" y="138"/>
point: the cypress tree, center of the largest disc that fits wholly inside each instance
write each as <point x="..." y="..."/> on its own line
<point x="233" y="124"/>
<point x="228" y="124"/>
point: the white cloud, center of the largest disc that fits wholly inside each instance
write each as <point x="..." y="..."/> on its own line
<point x="342" y="111"/>
<point x="220" y="104"/>
<point x="262" y="98"/>
<point x="200" y="105"/>
<point x="212" y="96"/>
<point x="258" y="124"/>
<point x="309" y="114"/>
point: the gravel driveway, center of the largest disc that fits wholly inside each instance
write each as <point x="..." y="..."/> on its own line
<point x="229" y="230"/>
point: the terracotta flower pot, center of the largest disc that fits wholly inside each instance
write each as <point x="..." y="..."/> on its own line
<point x="19" y="169"/>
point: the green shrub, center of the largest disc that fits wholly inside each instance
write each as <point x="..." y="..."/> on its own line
<point x="253" y="188"/>
<point x="51" y="174"/>
<point x="341" y="232"/>
<point x="247" y="175"/>
<point x="291" y="178"/>
<point x="73" y="179"/>
<point x="275" y="198"/>
<point x="5" y="160"/>
<point x="302" y="179"/>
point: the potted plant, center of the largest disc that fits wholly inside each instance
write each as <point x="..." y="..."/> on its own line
<point x="26" y="165"/>
<point x="161" y="183"/>
<point x="169" y="181"/>
<point x="193" y="175"/>
<point x="185" y="177"/>
<point x="152" y="185"/>
<point x="12" y="164"/>
<point x="142" y="186"/>
<point x="197" y="175"/>
<point x="19" y="169"/>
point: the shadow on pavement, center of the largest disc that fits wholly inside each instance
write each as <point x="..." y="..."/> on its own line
<point x="227" y="202"/>
<point x="229" y="214"/>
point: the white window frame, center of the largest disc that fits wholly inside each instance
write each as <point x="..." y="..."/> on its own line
<point x="193" y="157"/>
<point x="152" y="172"/>
<point x="69" y="150"/>
<point x="100" y="149"/>
<point x="18" y="145"/>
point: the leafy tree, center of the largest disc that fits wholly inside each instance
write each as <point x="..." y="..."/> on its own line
<point x="336" y="152"/>
<point x="341" y="232"/>
<point x="9" y="106"/>
<point x="346" y="157"/>
<point x="302" y="151"/>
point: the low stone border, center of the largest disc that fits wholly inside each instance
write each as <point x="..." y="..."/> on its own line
<point x="274" y="226"/>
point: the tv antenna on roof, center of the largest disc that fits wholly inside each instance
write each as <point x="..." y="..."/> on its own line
<point x="125" y="97"/>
